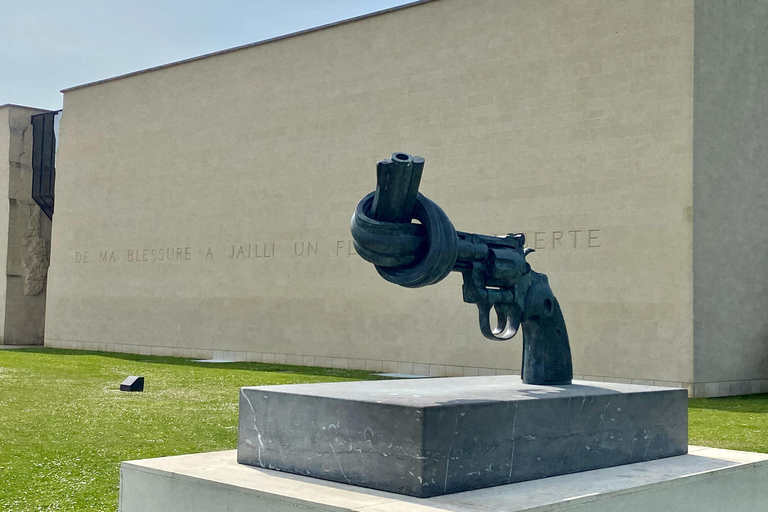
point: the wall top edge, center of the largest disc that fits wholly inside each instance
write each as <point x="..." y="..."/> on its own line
<point x="12" y="105"/>
<point x="251" y="45"/>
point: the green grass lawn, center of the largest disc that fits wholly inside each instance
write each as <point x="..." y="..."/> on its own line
<point x="65" y="427"/>
<point x="735" y="423"/>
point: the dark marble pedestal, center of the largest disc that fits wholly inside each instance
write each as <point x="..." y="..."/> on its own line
<point x="428" y="437"/>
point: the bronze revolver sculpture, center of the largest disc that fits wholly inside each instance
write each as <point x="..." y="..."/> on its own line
<point x="496" y="274"/>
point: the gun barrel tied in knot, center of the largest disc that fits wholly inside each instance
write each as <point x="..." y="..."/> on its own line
<point x="496" y="275"/>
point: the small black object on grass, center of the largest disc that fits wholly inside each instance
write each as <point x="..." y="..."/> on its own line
<point x="132" y="384"/>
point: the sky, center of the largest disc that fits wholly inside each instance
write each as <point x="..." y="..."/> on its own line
<point x="49" y="45"/>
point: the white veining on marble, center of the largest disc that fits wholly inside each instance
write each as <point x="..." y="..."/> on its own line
<point x="512" y="459"/>
<point x="339" y="463"/>
<point x="602" y="414"/>
<point x="258" y="434"/>
<point x="650" y="439"/>
<point x="448" y="459"/>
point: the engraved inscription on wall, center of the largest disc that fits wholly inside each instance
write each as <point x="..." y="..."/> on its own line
<point x="563" y="239"/>
<point x="555" y="240"/>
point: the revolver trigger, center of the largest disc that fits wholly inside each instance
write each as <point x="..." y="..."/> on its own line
<point x="508" y="321"/>
<point x="501" y="321"/>
<point x="484" y="309"/>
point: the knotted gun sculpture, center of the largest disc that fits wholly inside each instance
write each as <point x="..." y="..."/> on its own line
<point x="496" y="275"/>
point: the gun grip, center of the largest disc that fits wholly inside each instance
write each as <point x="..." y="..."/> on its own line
<point x="546" y="349"/>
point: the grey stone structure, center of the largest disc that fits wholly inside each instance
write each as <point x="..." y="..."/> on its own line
<point x="730" y="198"/>
<point x="427" y="437"/>
<point x="25" y="234"/>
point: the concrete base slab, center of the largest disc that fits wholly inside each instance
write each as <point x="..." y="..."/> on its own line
<point x="704" y="480"/>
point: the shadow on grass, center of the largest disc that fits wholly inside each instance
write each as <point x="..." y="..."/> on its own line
<point x="754" y="404"/>
<point x="181" y="361"/>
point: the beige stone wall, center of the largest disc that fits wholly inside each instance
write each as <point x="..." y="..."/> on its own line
<point x="569" y="120"/>
<point x="26" y="237"/>
<point x="730" y="154"/>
